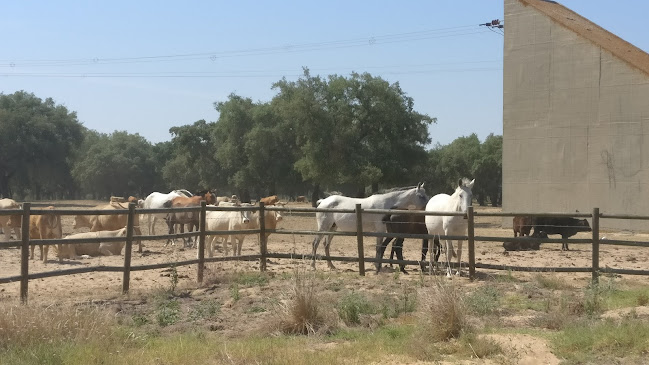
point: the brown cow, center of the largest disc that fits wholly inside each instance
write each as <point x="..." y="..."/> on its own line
<point x="108" y="222"/>
<point x="301" y="199"/>
<point x="189" y="218"/>
<point x="522" y="225"/>
<point x="10" y="221"/>
<point x="45" y="226"/>
<point x="269" y="200"/>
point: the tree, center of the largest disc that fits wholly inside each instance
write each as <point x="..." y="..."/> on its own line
<point x="488" y="169"/>
<point x="192" y="164"/>
<point x="37" y="139"/>
<point x="115" y="164"/>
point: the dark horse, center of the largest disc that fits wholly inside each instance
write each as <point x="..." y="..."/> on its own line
<point x="405" y="223"/>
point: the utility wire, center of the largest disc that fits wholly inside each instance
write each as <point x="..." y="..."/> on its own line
<point x="306" y="47"/>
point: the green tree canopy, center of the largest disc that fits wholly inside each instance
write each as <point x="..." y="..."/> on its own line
<point x="37" y="139"/>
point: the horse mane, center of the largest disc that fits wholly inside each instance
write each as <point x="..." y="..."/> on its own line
<point x="385" y="191"/>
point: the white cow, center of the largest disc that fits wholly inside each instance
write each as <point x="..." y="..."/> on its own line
<point x="225" y="221"/>
<point x="10" y="221"/>
<point x="157" y="200"/>
<point x="75" y="251"/>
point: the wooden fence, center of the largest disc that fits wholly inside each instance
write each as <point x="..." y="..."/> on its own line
<point x="127" y="268"/>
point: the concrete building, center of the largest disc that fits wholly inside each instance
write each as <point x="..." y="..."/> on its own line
<point x="575" y="116"/>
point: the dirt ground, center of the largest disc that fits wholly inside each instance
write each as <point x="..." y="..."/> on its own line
<point x="106" y="287"/>
<point x="63" y="287"/>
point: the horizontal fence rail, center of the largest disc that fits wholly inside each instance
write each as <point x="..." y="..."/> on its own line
<point x="132" y="212"/>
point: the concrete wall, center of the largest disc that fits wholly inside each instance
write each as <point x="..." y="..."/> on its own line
<point x="575" y="123"/>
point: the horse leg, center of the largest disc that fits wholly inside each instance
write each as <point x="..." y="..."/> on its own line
<point x="327" y="244"/>
<point x="380" y="250"/>
<point x="316" y="242"/>
<point x="449" y="256"/>
<point x="437" y="248"/>
<point x="424" y="251"/>
<point x="398" y="247"/>
<point x="459" y="258"/>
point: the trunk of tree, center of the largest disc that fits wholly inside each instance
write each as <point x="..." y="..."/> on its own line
<point x="481" y="199"/>
<point x="315" y="195"/>
<point x="245" y="196"/>
<point x="375" y="188"/>
<point x="4" y="186"/>
<point x="360" y="193"/>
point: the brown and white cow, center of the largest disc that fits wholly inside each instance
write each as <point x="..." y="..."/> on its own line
<point x="7" y="222"/>
<point x="108" y="222"/>
<point x="45" y="226"/>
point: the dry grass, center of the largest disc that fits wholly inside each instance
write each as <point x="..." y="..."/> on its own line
<point x="301" y="312"/>
<point x="29" y="325"/>
<point x="444" y="313"/>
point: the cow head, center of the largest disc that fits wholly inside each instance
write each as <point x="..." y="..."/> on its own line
<point x="583" y="225"/>
<point x="81" y="221"/>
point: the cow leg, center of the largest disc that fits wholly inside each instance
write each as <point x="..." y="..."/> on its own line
<point x="380" y="250"/>
<point x="170" y="229"/>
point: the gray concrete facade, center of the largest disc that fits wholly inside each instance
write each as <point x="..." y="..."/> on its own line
<point x="575" y="119"/>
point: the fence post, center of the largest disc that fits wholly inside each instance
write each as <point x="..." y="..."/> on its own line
<point x="127" y="250"/>
<point x="595" y="245"/>
<point x="263" y="250"/>
<point x="201" y="241"/>
<point x="24" y="253"/>
<point x="471" y="237"/>
<point x="359" y="240"/>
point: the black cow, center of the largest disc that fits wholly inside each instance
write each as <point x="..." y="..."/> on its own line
<point x="565" y="226"/>
<point x="528" y="244"/>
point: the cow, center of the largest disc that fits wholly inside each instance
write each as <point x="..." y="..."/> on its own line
<point x="229" y="220"/>
<point x="138" y="202"/>
<point x="221" y="199"/>
<point x="7" y="222"/>
<point x="108" y="222"/>
<point x="45" y="226"/>
<point x="189" y="218"/>
<point x="271" y="219"/>
<point x="301" y="199"/>
<point x="527" y="245"/>
<point x="269" y="200"/>
<point x="565" y="226"/>
<point x="74" y="251"/>
<point x="235" y="199"/>
<point x="522" y="225"/>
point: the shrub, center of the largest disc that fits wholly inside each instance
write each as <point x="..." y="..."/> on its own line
<point x="300" y="313"/>
<point x="352" y="306"/>
<point x="444" y="314"/>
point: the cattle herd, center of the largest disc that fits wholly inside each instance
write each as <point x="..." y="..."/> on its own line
<point x="48" y="225"/>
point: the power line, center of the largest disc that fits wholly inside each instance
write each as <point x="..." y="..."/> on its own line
<point x="305" y="47"/>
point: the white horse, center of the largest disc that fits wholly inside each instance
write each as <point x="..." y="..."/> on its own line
<point x="450" y="225"/>
<point x="330" y="221"/>
<point x="157" y="200"/>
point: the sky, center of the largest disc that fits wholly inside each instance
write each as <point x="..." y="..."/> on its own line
<point x="146" y="66"/>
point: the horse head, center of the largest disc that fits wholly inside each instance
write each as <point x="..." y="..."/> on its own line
<point x="420" y="199"/>
<point x="463" y="196"/>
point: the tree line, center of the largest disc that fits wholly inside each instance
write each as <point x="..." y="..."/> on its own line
<point x="356" y="134"/>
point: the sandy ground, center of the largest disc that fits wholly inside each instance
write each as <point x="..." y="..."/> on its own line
<point x="103" y="287"/>
<point x="82" y="285"/>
